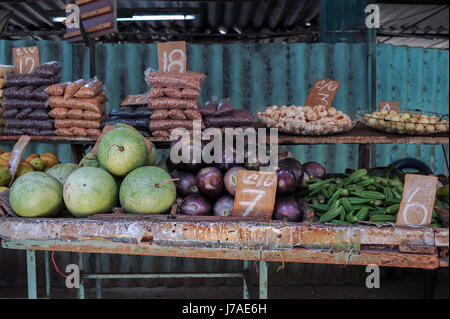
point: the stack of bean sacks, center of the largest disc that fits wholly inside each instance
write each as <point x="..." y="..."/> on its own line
<point x="136" y="116"/>
<point x="25" y="102"/>
<point x="221" y="114"/>
<point x="174" y="101"/>
<point x="78" y="107"/>
<point x="5" y="70"/>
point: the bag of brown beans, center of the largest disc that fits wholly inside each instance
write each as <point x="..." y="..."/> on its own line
<point x="66" y="123"/>
<point x="171" y="103"/>
<point x="58" y="113"/>
<point x="90" y="89"/>
<point x="57" y="89"/>
<point x="177" y="115"/>
<point x="73" y="88"/>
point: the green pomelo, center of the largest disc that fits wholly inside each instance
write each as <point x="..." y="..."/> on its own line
<point x="139" y="192"/>
<point x="122" y="150"/>
<point x="90" y="190"/>
<point x="36" y="194"/>
<point x="62" y="171"/>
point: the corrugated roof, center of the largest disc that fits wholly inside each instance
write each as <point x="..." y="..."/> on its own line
<point x="236" y="19"/>
<point x="414" y="25"/>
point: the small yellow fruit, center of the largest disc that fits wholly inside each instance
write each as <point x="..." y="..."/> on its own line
<point x="38" y="164"/>
<point x="24" y="168"/>
<point x="6" y="156"/>
<point x="4" y="163"/>
<point x="5" y="176"/>
<point x="3" y="188"/>
<point x="49" y="159"/>
<point x="32" y="156"/>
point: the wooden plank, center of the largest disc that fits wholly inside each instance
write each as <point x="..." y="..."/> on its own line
<point x="383" y="258"/>
<point x="95" y="13"/>
<point x="90" y="30"/>
<point x="213" y="232"/>
<point x="441" y="237"/>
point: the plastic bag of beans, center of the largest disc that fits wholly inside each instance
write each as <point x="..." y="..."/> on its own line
<point x="177" y="115"/>
<point x="48" y="69"/>
<point x="162" y="134"/>
<point x="73" y="88"/>
<point x="192" y="114"/>
<point x="171" y="103"/>
<point x="39" y="114"/>
<point x="95" y="104"/>
<point x="63" y="132"/>
<point x="26" y="93"/>
<point x="23" y="113"/>
<point x="210" y="107"/>
<point x="29" y="79"/>
<point x="188" y="79"/>
<point x="11" y="92"/>
<point x="224" y="108"/>
<point x="78" y="131"/>
<point x="90" y="89"/>
<point x="160" y="115"/>
<point x="39" y="93"/>
<point x="75" y="114"/>
<point x="236" y="119"/>
<point x="66" y="123"/>
<point x="23" y="104"/>
<point x="57" y="89"/>
<point x="58" y="113"/>
<point x="93" y="132"/>
<point x="92" y="116"/>
<point x="156" y="93"/>
<point x="10" y="113"/>
<point x="164" y="125"/>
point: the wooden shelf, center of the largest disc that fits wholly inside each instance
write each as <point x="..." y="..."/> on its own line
<point x="360" y="134"/>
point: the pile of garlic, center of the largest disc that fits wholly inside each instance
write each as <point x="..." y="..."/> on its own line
<point x="405" y="123"/>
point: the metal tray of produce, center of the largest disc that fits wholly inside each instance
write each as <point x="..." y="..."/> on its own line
<point x="291" y="126"/>
<point x="407" y="122"/>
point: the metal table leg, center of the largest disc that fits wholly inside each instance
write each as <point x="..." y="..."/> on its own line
<point x="31" y="274"/>
<point x="81" y="266"/>
<point x="263" y="280"/>
<point x="47" y="275"/>
<point x="98" y="282"/>
<point x="245" y="283"/>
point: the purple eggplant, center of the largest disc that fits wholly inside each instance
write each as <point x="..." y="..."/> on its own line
<point x="187" y="183"/>
<point x="195" y="205"/>
<point x="227" y="161"/>
<point x="190" y="165"/>
<point x="230" y="179"/>
<point x="286" y="182"/>
<point x="210" y="182"/>
<point x="296" y="168"/>
<point x="314" y="170"/>
<point x="287" y="209"/>
<point x="223" y="206"/>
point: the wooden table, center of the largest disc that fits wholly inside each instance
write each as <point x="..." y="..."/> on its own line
<point x="223" y="238"/>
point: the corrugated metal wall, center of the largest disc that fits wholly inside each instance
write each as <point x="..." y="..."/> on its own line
<point x="256" y="75"/>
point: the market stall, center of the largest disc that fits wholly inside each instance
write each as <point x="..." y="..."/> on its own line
<point x="115" y="198"/>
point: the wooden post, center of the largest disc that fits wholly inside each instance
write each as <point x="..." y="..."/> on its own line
<point x="364" y="156"/>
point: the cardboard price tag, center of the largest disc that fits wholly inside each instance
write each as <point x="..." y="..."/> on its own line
<point x="416" y="207"/>
<point x="26" y="59"/>
<point x="172" y="56"/>
<point x="139" y="99"/>
<point x="255" y="194"/>
<point x="322" y="93"/>
<point x="389" y="106"/>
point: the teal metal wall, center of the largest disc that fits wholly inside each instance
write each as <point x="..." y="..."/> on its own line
<point x="256" y="75"/>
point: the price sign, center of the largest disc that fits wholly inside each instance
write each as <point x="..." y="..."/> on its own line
<point x="322" y="93"/>
<point x="416" y="207"/>
<point x="139" y="99"/>
<point x="26" y="59"/>
<point x="172" y="56"/>
<point x="389" y="106"/>
<point x="255" y="194"/>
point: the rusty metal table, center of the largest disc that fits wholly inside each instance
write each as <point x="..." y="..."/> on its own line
<point x="222" y="238"/>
